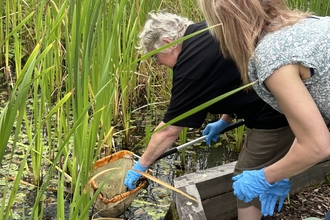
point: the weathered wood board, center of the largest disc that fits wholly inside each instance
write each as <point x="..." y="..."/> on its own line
<point x="213" y="190"/>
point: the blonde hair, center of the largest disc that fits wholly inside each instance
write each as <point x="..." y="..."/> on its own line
<point x="244" y="23"/>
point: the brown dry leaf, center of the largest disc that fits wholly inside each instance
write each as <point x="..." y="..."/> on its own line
<point x="165" y="184"/>
<point x="91" y="180"/>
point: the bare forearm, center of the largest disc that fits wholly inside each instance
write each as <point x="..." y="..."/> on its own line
<point x="227" y="118"/>
<point x="159" y="143"/>
<point x="312" y="143"/>
<point x="298" y="159"/>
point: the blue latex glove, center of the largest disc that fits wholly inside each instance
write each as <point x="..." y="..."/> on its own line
<point x="132" y="176"/>
<point x="212" y="130"/>
<point x="250" y="184"/>
<point x="268" y="199"/>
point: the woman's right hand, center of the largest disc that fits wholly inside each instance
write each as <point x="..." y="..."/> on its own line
<point x="212" y="130"/>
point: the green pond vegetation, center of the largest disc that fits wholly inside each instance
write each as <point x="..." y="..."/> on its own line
<point x="73" y="89"/>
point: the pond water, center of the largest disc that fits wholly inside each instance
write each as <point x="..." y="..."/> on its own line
<point x="153" y="202"/>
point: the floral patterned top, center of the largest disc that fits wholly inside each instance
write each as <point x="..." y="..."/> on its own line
<point x="306" y="42"/>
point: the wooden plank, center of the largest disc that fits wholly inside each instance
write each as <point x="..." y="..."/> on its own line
<point x="213" y="188"/>
<point x="313" y="175"/>
<point x="187" y="183"/>
<point x="205" y="175"/>
<point x="216" y="186"/>
<point x="222" y="207"/>
<point x="187" y="209"/>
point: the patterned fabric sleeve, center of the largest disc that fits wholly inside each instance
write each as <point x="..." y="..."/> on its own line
<point x="307" y="43"/>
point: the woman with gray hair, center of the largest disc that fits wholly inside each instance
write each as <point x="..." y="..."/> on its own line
<point x="162" y="26"/>
<point x="200" y="73"/>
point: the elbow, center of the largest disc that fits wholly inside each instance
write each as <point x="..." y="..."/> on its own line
<point x="327" y="152"/>
<point x="316" y="147"/>
<point x="324" y="149"/>
<point x="170" y="132"/>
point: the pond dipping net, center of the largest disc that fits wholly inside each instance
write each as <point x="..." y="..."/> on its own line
<point x="114" y="197"/>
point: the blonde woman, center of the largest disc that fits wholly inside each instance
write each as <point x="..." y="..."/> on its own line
<point x="288" y="53"/>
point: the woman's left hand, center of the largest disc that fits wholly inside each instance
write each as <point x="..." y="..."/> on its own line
<point x="268" y="200"/>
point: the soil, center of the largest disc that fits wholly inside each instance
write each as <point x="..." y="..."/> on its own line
<point x="312" y="201"/>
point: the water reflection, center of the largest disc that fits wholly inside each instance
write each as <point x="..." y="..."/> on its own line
<point x="154" y="202"/>
<point x="204" y="157"/>
<point x="201" y="157"/>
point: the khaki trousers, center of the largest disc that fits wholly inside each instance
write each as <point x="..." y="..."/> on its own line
<point x="262" y="148"/>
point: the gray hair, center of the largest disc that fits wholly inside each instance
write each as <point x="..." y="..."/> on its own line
<point x="161" y="25"/>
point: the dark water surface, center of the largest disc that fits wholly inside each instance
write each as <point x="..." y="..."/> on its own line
<point x="153" y="202"/>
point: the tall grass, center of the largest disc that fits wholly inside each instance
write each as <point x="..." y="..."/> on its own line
<point x="318" y="7"/>
<point x="76" y="63"/>
<point x="79" y="81"/>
